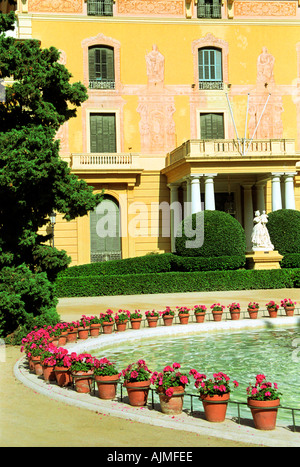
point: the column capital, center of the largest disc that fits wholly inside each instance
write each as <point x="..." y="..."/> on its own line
<point x="210" y="175"/>
<point x="289" y="174"/>
<point x="261" y="183"/>
<point x="173" y="185"/>
<point x="277" y="174"/>
<point x="194" y="177"/>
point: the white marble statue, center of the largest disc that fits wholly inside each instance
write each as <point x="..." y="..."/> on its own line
<point x="260" y="237"/>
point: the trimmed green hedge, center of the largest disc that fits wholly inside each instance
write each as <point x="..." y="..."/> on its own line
<point x="175" y="282"/>
<point x="217" y="234"/>
<point x="284" y="230"/>
<point x="137" y="265"/>
<point x="166" y="262"/>
<point x="291" y="260"/>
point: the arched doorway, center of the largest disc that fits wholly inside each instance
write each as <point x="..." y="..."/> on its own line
<point x="105" y="231"/>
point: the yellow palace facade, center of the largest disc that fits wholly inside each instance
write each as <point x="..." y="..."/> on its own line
<point x="192" y="103"/>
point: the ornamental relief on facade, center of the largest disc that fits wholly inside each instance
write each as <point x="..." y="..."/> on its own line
<point x="151" y="7"/>
<point x="262" y="9"/>
<point x="156" y="108"/>
<point x="55" y="6"/>
<point x="268" y="116"/>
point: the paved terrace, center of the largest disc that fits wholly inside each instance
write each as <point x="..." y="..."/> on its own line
<point x="230" y="430"/>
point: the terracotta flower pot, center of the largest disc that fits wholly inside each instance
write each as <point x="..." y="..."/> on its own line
<point x="253" y="313"/>
<point x="107" y="327"/>
<point x="107" y="386"/>
<point x="49" y="374"/>
<point x="152" y="321"/>
<point x="72" y="336"/>
<point x="184" y="318"/>
<point x="121" y="326"/>
<point x="38" y="369"/>
<point x="63" y="376"/>
<point x="172" y="405"/>
<point x="217" y="315"/>
<point x="168" y="320"/>
<point x="62" y="340"/>
<point x="289" y="310"/>
<point x="83" y="381"/>
<point x="31" y="365"/>
<point x="83" y="333"/>
<point x="215" y="407"/>
<point x="136" y="323"/>
<point x="95" y="329"/>
<point x="54" y="340"/>
<point x="264" y="413"/>
<point x="137" y="392"/>
<point x="272" y="312"/>
<point x="235" y="314"/>
<point x="200" y="317"/>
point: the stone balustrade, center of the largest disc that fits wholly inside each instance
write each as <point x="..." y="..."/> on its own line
<point x="104" y="161"/>
<point x="231" y="148"/>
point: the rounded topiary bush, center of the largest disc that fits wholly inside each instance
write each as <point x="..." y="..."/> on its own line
<point x="210" y="234"/>
<point x="284" y="230"/>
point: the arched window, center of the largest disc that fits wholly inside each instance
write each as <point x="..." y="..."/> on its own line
<point x="101" y="67"/>
<point x="210" y="68"/>
<point x="105" y="231"/>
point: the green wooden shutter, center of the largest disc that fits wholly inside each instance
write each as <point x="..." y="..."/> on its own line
<point x="103" y="133"/>
<point x="216" y="9"/>
<point x="108" y="8"/>
<point x="218" y="65"/>
<point x="212" y="126"/>
<point x="93" y="133"/>
<point x="101" y="63"/>
<point x="110" y="69"/>
<point x="92" y="74"/>
<point x="210" y="64"/>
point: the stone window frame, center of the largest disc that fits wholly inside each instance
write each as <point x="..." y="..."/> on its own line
<point x="102" y="40"/>
<point x="210" y="41"/>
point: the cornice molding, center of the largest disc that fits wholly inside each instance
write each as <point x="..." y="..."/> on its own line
<point x="141" y="20"/>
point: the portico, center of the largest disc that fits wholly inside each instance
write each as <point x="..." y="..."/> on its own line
<point x="260" y="181"/>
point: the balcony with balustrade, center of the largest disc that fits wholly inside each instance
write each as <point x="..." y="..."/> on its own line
<point x="121" y="167"/>
<point x="225" y="149"/>
<point x="232" y="156"/>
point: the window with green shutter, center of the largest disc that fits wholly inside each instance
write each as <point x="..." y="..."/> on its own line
<point x="100" y="7"/>
<point x="209" y="9"/>
<point x="105" y="231"/>
<point x="210" y="68"/>
<point x="212" y="126"/>
<point x="102" y="132"/>
<point x="101" y="67"/>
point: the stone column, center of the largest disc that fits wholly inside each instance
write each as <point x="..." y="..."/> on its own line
<point x="187" y="198"/>
<point x="209" y="192"/>
<point x="195" y="193"/>
<point x="175" y="217"/>
<point x="248" y="215"/>
<point x="289" y="190"/>
<point x="276" y="192"/>
<point x="260" y="192"/>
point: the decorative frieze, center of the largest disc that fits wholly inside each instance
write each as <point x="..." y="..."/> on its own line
<point x="151" y="7"/>
<point x="55" y="6"/>
<point x="263" y="9"/>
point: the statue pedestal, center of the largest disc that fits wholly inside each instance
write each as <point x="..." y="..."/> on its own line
<point x="260" y="259"/>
